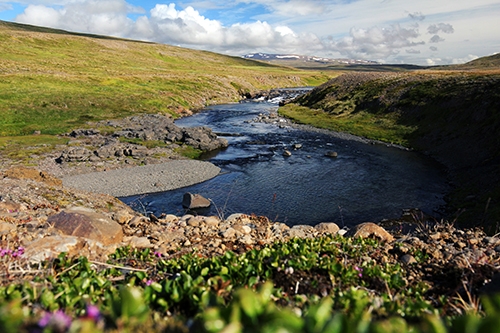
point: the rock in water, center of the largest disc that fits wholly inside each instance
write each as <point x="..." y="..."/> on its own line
<point x="194" y="201"/>
<point x="332" y="154"/>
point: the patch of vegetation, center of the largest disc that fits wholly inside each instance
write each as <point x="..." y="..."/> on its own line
<point x="189" y="151"/>
<point x="21" y="148"/>
<point x="146" y="143"/>
<point x="304" y="285"/>
<point x="363" y="124"/>
<point x="53" y="81"/>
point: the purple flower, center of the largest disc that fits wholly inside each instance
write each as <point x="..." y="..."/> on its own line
<point x="158" y="254"/>
<point x="93" y="313"/>
<point x="360" y="270"/>
<point x="148" y="282"/>
<point x="56" y="322"/>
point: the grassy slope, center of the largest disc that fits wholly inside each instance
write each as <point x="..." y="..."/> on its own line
<point x="453" y="116"/>
<point x="52" y="80"/>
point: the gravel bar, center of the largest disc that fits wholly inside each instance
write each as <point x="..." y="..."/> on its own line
<point x="144" y="179"/>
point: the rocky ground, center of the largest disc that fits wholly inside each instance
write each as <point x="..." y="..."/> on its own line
<point x="43" y="217"/>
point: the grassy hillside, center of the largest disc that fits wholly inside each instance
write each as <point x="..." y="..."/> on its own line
<point x="53" y="80"/>
<point x="453" y="116"/>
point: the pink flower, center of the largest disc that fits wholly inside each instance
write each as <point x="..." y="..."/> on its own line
<point x="158" y="254"/>
<point x="93" y="313"/>
<point x="149" y="282"/>
<point x="55" y="322"/>
<point x="360" y="270"/>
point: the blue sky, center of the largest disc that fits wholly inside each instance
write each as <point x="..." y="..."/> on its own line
<point x="424" y="32"/>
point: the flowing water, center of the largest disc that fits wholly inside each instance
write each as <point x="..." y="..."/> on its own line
<point x="366" y="182"/>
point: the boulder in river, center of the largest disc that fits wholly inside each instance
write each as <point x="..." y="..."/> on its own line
<point x="332" y="154"/>
<point x="194" y="201"/>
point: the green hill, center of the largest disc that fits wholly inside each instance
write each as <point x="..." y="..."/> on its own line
<point x="53" y="80"/>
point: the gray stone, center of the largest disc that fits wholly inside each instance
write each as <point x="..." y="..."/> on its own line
<point x="211" y="221"/>
<point x="332" y="154"/>
<point x="370" y="229"/>
<point x="230" y="233"/>
<point x="194" y="201"/>
<point x="193" y="221"/>
<point x="139" y="242"/>
<point x="408" y="259"/>
<point x="51" y="247"/>
<point x="327" y="228"/>
<point x="301" y="231"/>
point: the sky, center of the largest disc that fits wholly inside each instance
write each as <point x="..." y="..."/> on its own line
<point x="421" y="32"/>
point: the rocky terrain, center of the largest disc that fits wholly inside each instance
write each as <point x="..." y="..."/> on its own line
<point x="41" y="216"/>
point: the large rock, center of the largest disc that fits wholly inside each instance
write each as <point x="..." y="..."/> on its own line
<point x="194" y="201"/>
<point x="87" y="223"/>
<point x="327" y="228"/>
<point x="50" y="247"/>
<point x="203" y="138"/>
<point x="369" y="229"/>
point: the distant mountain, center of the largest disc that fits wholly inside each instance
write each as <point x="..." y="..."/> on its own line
<point x="284" y="58"/>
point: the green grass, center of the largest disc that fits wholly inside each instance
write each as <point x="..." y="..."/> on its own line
<point x="52" y="81"/>
<point x="21" y="148"/>
<point x="383" y="128"/>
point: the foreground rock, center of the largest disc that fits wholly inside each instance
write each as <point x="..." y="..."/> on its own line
<point x="86" y="223"/>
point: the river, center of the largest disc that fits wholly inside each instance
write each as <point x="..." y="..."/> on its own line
<point x="365" y="182"/>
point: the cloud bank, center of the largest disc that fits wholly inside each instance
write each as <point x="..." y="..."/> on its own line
<point x="277" y="26"/>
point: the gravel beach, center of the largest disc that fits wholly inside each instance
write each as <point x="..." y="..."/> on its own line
<point x="144" y="179"/>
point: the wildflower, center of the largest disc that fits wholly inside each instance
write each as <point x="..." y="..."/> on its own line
<point x="158" y="254"/>
<point x="148" y="282"/>
<point x="93" y="313"/>
<point x="4" y="252"/>
<point x="55" y="322"/>
<point x="360" y="270"/>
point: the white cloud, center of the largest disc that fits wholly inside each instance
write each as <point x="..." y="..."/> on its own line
<point x="102" y="17"/>
<point x="377" y="42"/>
<point x="435" y="28"/>
<point x="368" y="29"/>
<point x="418" y="16"/>
<point x="436" y="39"/>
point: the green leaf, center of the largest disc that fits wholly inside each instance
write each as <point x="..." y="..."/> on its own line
<point x="47" y="299"/>
<point x="433" y="324"/>
<point x="130" y="304"/>
<point x="249" y="303"/>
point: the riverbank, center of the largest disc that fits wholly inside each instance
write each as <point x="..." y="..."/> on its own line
<point x="449" y="116"/>
<point x="144" y="179"/>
